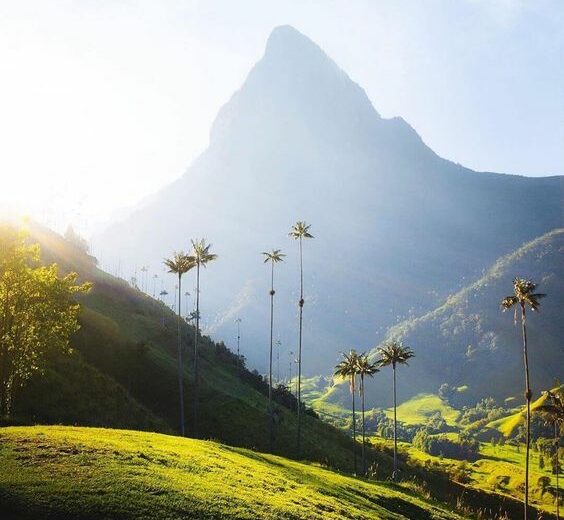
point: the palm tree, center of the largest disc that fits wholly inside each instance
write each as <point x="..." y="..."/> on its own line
<point x="274" y="257"/>
<point x="364" y="368"/>
<point x="162" y="295"/>
<point x="238" y="322"/>
<point x="300" y="231"/>
<point x="179" y="264"/>
<point x="201" y="256"/>
<point x="348" y="368"/>
<point x="155" y="276"/>
<point x="395" y="353"/>
<point x="552" y="410"/>
<point x="524" y="295"/>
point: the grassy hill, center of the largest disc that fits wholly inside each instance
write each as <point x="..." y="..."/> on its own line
<point x="90" y="473"/>
<point x="123" y="373"/>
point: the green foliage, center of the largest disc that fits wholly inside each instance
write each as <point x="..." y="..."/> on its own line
<point x="38" y="312"/>
<point x="442" y="445"/>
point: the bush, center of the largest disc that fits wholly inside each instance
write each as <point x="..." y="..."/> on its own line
<point x="463" y="448"/>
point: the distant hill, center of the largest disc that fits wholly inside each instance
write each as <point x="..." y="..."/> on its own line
<point x="468" y="343"/>
<point x="397" y="228"/>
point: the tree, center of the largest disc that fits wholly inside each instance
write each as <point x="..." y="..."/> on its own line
<point x="393" y="354"/>
<point x="38" y="312"/>
<point x="275" y="256"/>
<point x="347" y="368"/>
<point x="364" y="368"/>
<point x="552" y="411"/>
<point x="523" y="296"/>
<point x="300" y="231"/>
<point x="179" y="264"/>
<point x="201" y="256"/>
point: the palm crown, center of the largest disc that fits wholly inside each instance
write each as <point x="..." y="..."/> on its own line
<point x="274" y="256"/>
<point x="180" y="263"/>
<point x="523" y="294"/>
<point x="201" y="252"/>
<point x="300" y="230"/>
<point x="364" y="367"/>
<point x="347" y="367"/>
<point x="394" y="353"/>
<point x="552" y="408"/>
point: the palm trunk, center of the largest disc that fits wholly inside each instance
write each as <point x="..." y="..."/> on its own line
<point x="354" y="422"/>
<point x="528" y="398"/>
<point x="270" y="410"/>
<point x="299" y="392"/>
<point x="180" y="364"/>
<point x="363" y="426"/>
<point x="394" y="474"/>
<point x="196" y="335"/>
<point x="556" y="444"/>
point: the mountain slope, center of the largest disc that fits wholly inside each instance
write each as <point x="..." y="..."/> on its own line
<point x="467" y="342"/>
<point x="397" y="228"/>
<point x="123" y="373"/>
<point x="96" y="473"/>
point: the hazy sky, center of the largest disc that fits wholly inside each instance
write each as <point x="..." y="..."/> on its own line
<point x="104" y="101"/>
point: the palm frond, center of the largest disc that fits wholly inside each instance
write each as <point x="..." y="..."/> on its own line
<point x="300" y="230"/>
<point x="273" y="256"/>
<point x="179" y="263"/>
<point x="201" y="252"/>
<point x="394" y="353"/>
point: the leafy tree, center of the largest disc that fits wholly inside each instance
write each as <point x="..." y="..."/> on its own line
<point x="38" y="312"/>
<point x="347" y="368"/>
<point x="552" y="410"/>
<point x="274" y="257"/>
<point x="201" y="256"/>
<point x="179" y="264"/>
<point x="524" y="296"/>
<point x="300" y="231"/>
<point x="364" y="368"/>
<point x="393" y="354"/>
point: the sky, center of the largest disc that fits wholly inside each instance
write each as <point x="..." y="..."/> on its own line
<point x="102" y="102"/>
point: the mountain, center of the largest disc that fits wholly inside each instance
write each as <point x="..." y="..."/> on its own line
<point x="471" y="345"/>
<point x="397" y="228"/>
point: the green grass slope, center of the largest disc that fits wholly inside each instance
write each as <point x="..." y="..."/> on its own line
<point x="84" y="473"/>
<point x="123" y="373"/>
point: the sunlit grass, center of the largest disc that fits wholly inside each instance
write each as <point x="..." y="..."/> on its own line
<point x="98" y="473"/>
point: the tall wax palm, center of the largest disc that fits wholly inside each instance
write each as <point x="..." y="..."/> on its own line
<point x="300" y="231"/>
<point x="523" y="296"/>
<point x="273" y="257"/>
<point x="364" y="368"/>
<point x="347" y="368"/>
<point x="179" y="264"/>
<point x="552" y="410"/>
<point x="393" y="354"/>
<point x="201" y="256"/>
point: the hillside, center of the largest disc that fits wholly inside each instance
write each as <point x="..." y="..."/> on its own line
<point x="469" y="344"/>
<point x="300" y="140"/>
<point x="122" y="373"/>
<point x="84" y="473"/>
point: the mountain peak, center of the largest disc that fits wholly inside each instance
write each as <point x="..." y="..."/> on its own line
<point x="286" y="38"/>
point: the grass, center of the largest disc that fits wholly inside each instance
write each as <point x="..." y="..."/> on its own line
<point x="507" y="425"/>
<point x="499" y="469"/>
<point x="55" y="472"/>
<point x="421" y="407"/>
